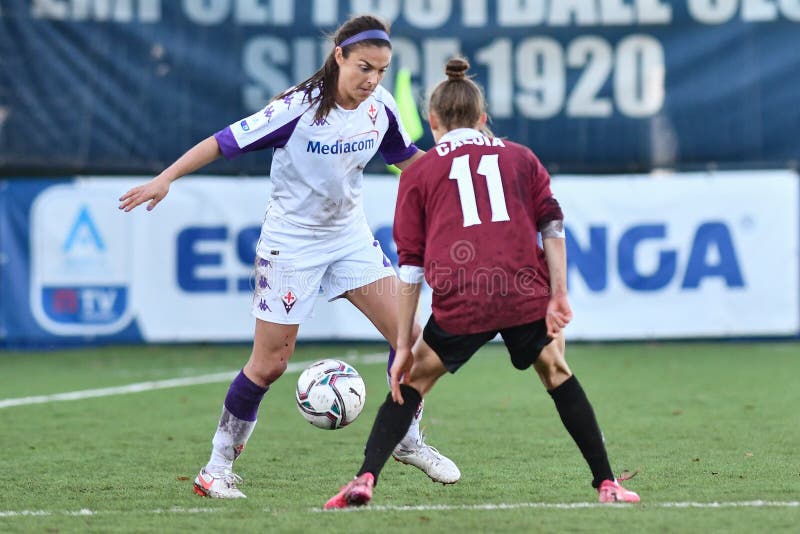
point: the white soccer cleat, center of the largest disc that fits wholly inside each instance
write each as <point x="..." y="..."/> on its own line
<point x="438" y="467"/>
<point x="218" y="485"/>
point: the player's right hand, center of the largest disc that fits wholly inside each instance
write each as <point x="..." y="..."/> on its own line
<point x="154" y="191"/>
<point x="399" y="373"/>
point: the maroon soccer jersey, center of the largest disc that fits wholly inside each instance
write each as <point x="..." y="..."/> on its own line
<point x="468" y="211"/>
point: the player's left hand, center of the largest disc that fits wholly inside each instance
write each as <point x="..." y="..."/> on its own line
<point x="399" y="373"/>
<point x="559" y="314"/>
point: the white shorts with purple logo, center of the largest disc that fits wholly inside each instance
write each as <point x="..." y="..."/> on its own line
<point x="291" y="271"/>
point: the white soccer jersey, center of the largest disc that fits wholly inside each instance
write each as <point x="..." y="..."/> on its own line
<point x="317" y="166"/>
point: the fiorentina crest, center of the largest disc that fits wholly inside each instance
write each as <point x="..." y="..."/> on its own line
<point x="288" y="301"/>
<point x="373" y="113"/>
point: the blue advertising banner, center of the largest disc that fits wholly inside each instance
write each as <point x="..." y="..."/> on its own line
<point x="125" y="86"/>
<point x="58" y="292"/>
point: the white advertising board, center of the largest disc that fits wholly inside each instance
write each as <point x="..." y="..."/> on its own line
<point x="681" y="256"/>
<point x="677" y="256"/>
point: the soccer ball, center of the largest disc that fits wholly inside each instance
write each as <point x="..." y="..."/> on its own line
<point x="330" y="394"/>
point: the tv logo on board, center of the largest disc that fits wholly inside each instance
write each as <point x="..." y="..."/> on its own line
<point x="84" y="305"/>
<point x="79" y="267"/>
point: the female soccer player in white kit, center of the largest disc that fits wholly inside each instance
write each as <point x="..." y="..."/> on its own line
<point x="323" y="131"/>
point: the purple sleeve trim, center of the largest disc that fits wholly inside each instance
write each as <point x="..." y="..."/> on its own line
<point x="401" y="156"/>
<point x="393" y="147"/>
<point x="227" y="144"/>
<point x="274" y="139"/>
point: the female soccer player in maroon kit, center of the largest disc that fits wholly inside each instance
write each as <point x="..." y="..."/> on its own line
<point x="467" y="220"/>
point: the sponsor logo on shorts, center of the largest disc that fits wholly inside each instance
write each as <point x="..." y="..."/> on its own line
<point x="244" y="125"/>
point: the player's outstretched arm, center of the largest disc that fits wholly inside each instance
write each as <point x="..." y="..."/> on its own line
<point x="156" y="189"/>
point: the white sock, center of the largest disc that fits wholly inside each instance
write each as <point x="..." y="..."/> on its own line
<point x="229" y="441"/>
<point x="412" y="438"/>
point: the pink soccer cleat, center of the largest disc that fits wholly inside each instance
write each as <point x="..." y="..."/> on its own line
<point x="612" y="491"/>
<point x="357" y="492"/>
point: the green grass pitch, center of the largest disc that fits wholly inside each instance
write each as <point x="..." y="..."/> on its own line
<point x="704" y="423"/>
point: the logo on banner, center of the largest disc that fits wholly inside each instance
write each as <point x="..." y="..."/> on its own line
<point x="83" y="236"/>
<point x="289" y="300"/>
<point x="78" y="266"/>
<point x="711" y="256"/>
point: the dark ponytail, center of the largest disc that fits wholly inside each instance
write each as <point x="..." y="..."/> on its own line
<point x="325" y="80"/>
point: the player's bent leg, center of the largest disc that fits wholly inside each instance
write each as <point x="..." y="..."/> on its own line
<point x="377" y="300"/>
<point x="427" y="369"/>
<point x="578" y="417"/>
<point x="389" y="426"/>
<point x="551" y="365"/>
<point x="413" y="434"/>
<point x="272" y="347"/>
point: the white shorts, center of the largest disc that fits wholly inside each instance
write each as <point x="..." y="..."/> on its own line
<point x="291" y="271"/>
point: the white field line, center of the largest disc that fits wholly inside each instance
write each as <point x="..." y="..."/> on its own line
<point x="430" y="508"/>
<point x="567" y="506"/>
<point x="139" y="387"/>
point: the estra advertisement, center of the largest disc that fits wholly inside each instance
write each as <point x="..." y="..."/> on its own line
<point x="673" y="256"/>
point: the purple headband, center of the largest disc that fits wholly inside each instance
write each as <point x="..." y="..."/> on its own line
<point x="368" y="34"/>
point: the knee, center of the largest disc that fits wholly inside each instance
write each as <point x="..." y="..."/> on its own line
<point x="552" y="372"/>
<point x="554" y="377"/>
<point x="267" y="368"/>
<point x="422" y="383"/>
<point x="427" y="369"/>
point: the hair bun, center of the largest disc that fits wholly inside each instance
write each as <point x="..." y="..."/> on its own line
<point x="456" y="68"/>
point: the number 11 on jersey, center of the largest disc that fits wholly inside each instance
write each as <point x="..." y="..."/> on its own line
<point x="488" y="167"/>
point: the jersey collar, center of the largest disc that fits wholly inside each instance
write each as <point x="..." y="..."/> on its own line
<point x="459" y="134"/>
